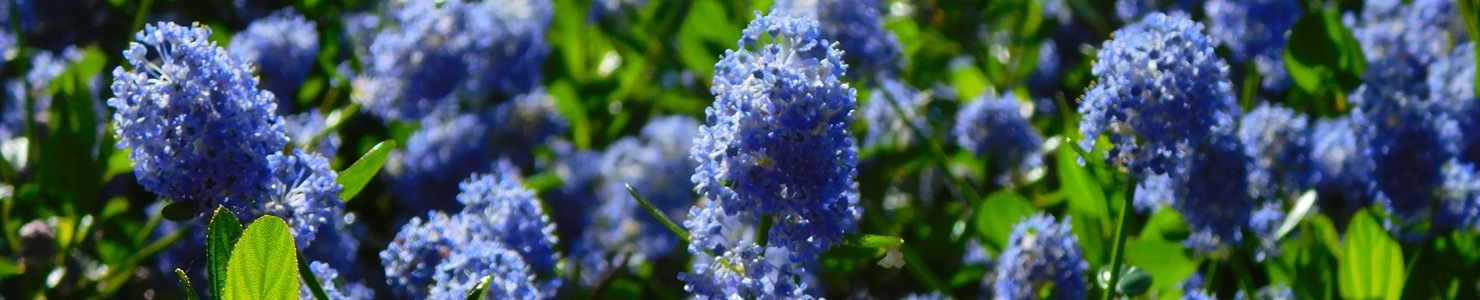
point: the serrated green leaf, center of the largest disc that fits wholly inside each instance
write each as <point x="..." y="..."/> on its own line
<point x="221" y="237"/>
<point x="359" y="174"/>
<point x="185" y="285"/>
<point x="263" y="263"/>
<point x="477" y="292"/>
<point x="1371" y="264"/>
<point x="995" y="217"/>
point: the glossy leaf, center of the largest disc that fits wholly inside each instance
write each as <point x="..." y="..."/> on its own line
<point x="1371" y="262"/>
<point x="221" y="237"/>
<point x="263" y="263"/>
<point x="359" y="174"/>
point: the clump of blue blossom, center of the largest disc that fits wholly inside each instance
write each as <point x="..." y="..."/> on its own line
<point x="657" y="166"/>
<point x="1133" y="10"/>
<point x="501" y="217"/>
<point x="993" y="127"/>
<point x="858" y="27"/>
<point x="1451" y="80"/>
<point x="198" y="127"/>
<point x="304" y="193"/>
<point x="283" y="46"/>
<point x="1255" y="30"/>
<point x="430" y="54"/>
<point x="728" y="262"/>
<point x="1345" y="171"/>
<point x="1161" y="91"/>
<point x="448" y="147"/>
<point x="1039" y="251"/>
<point x="1278" y="143"/>
<point x="777" y="140"/>
<point x="887" y="128"/>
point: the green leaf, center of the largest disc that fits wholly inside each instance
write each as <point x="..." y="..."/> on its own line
<point x="873" y="241"/>
<point x="995" y="217"/>
<point x="263" y="263"/>
<point x="1323" y="53"/>
<point x="181" y="210"/>
<point x="1167" y="260"/>
<point x="8" y="268"/>
<point x="1085" y="195"/>
<point x="479" y="290"/>
<point x="359" y="174"/>
<point x="221" y="236"/>
<point x="185" y="283"/>
<point x="1371" y="264"/>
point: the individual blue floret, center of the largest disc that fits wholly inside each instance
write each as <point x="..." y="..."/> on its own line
<point x="283" y="46"/>
<point x="510" y="214"/>
<point x="303" y="128"/>
<point x="656" y="164"/>
<point x="510" y="276"/>
<point x="304" y="193"/>
<point x="1277" y="141"/>
<point x="431" y="54"/>
<point x="887" y="128"/>
<point x="776" y="141"/>
<point x="1161" y="91"/>
<point x="1041" y="250"/>
<point x="1255" y="30"/>
<point x="198" y="127"/>
<point x="992" y="127"/>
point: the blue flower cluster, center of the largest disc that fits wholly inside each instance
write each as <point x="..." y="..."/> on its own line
<point x="430" y="54"/>
<point x="304" y="193"/>
<point x="198" y="127"/>
<point x="1278" y="141"/>
<point x="728" y="262"/>
<point x="1133" y="10"/>
<point x="858" y="27"/>
<point x="448" y="147"/>
<point x="501" y="231"/>
<point x="777" y="141"/>
<point x="658" y="167"/>
<point x="993" y="127"/>
<point x="1343" y="167"/>
<point x="334" y="287"/>
<point x="1255" y="30"/>
<point x="1161" y="91"/>
<point x="283" y="46"/>
<point x="1039" y="251"/>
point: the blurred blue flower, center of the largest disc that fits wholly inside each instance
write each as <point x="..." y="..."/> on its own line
<point x="656" y="164"/>
<point x="305" y="194"/>
<point x="993" y="127"/>
<point x="448" y="147"/>
<point x="1132" y="10"/>
<point x="1459" y="197"/>
<point x="1271" y="292"/>
<point x="1345" y="171"/>
<point x="777" y="142"/>
<point x="303" y="127"/>
<point x="886" y="127"/>
<point x="1451" y="80"/>
<point x="1212" y="192"/>
<point x="1255" y="30"/>
<point x="511" y="277"/>
<point x="1045" y="78"/>
<point x="857" y="26"/>
<point x="431" y="54"/>
<point x="283" y="46"/>
<point x="523" y="123"/>
<point x="198" y="127"/>
<point x="1039" y="251"/>
<point x="411" y="259"/>
<point x="1161" y="91"/>
<point x="1278" y="143"/>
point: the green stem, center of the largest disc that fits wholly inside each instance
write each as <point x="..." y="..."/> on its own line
<point x="1245" y="280"/>
<point x="1117" y="253"/>
<point x="185" y="283"/>
<point x="940" y="154"/>
<point x="140" y="14"/>
<point x="312" y="281"/>
<point x="1252" y="79"/>
<point x="916" y="265"/>
<point x="662" y="218"/>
